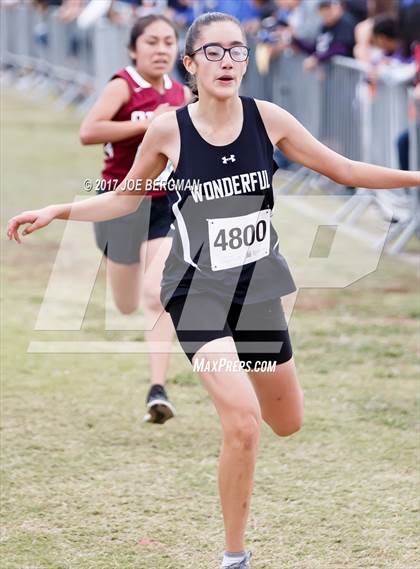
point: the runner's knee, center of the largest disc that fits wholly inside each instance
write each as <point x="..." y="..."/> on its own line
<point x="286" y="429"/>
<point x="242" y="430"/>
<point x="126" y="305"/>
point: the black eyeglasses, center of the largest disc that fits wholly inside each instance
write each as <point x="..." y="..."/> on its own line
<point x="216" y="52"/>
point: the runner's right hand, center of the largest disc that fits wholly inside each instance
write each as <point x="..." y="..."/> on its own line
<point x="37" y="219"/>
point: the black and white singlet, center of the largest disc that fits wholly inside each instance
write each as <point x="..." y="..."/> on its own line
<point x="222" y="201"/>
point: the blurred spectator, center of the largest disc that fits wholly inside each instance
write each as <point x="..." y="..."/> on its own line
<point x="385" y="36"/>
<point x="43" y="4"/>
<point x="40" y="29"/>
<point x="182" y="12"/>
<point x="248" y="12"/>
<point x="262" y="9"/>
<point x="244" y="11"/>
<point x="357" y="8"/>
<point x="147" y="7"/>
<point x="297" y="18"/>
<point x="403" y="141"/>
<point x="364" y="50"/>
<point x="398" y="42"/>
<point x="275" y="33"/>
<point x="393" y="64"/>
<point x="78" y="40"/>
<point x="265" y="7"/>
<point x="305" y="21"/>
<point x="123" y="11"/>
<point x="335" y="38"/>
<point x="417" y="80"/>
<point x="126" y="11"/>
<point x="70" y="10"/>
<point x="290" y="19"/>
<point x="284" y="9"/>
<point x="409" y="24"/>
<point x="403" y="149"/>
<point x="92" y="12"/>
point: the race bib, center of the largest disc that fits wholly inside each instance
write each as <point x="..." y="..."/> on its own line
<point x="236" y="241"/>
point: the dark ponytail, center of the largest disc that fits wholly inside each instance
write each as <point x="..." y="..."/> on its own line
<point x="194" y="32"/>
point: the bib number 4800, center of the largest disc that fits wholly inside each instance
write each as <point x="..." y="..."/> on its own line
<point x="238" y="236"/>
<point x="236" y="241"/>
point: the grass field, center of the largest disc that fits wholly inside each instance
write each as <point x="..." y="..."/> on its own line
<point x="86" y="485"/>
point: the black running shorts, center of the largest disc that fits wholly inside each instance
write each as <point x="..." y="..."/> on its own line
<point x="120" y="238"/>
<point x="259" y="330"/>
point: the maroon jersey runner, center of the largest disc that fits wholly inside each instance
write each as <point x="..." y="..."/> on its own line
<point x="144" y="99"/>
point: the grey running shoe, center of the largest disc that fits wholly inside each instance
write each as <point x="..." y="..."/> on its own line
<point x="244" y="564"/>
<point x="158" y="408"/>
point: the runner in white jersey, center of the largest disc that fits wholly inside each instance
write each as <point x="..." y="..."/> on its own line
<point x="230" y="242"/>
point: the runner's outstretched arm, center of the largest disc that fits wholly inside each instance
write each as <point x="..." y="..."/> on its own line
<point x="149" y="163"/>
<point x="300" y="146"/>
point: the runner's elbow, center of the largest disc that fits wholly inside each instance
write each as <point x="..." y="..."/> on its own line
<point x="343" y="173"/>
<point x="85" y="136"/>
<point x="126" y="204"/>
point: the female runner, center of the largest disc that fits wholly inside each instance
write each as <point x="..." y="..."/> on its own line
<point x="224" y="275"/>
<point x="138" y="244"/>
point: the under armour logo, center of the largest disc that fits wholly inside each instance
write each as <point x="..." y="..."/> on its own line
<point x="231" y="158"/>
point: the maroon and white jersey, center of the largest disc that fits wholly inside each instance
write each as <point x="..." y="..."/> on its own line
<point x="144" y="99"/>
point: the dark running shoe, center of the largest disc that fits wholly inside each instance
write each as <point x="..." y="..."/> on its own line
<point x="244" y="564"/>
<point x="158" y="407"/>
